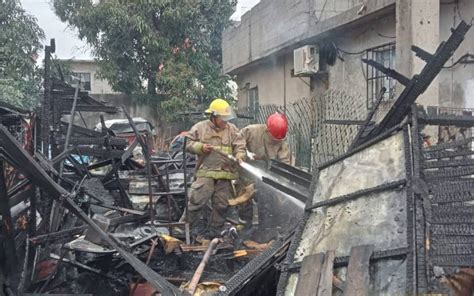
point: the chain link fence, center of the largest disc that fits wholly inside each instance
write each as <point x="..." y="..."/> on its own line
<point x="319" y="128"/>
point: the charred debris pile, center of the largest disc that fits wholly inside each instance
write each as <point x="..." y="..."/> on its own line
<point x="91" y="211"/>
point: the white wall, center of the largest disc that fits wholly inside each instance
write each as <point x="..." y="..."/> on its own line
<point x="98" y="86"/>
<point x="274" y="81"/>
<point x="457" y="84"/>
<point x="349" y="73"/>
<point x="275" y="84"/>
<point x="273" y="24"/>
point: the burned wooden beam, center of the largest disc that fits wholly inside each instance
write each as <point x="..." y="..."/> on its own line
<point x="70" y="126"/>
<point x="7" y="225"/>
<point x="33" y="171"/>
<point x="94" y="141"/>
<point x="64" y="107"/>
<point x="46" y="113"/>
<point x="60" y="157"/>
<point x="20" y="196"/>
<point x="354" y="195"/>
<point x="99" y="152"/>
<point x="422" y="54"/>
<point x="466" y="121"/>
<point x="364" y="129"/>
<point x="419" y="83"/>
<point x="120" y="209"/>
<point x="146" y="153"/>
<point x="125" y="200"/>
<point x="99" y="164"/>
<point x="82" y="266"/>
<point x="59" y="235"/>
<point x="387" y="71"/>
<point x="81" y="130"/>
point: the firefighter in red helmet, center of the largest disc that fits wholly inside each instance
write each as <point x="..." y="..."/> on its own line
<point x="265" y="142"/>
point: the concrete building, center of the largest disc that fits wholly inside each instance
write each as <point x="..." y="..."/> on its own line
<point x="87" y="70"/>
<point x="101" y="90"/>
<point x="259" y="51"/>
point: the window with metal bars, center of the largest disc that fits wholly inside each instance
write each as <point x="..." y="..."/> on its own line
<point x="252" y="101"/>
<point x="384" y="55"/>
<point x="85" y="80"/>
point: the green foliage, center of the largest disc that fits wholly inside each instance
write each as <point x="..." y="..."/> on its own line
<point x="62" y="69"/>
<point x="20" y="41"/>
<point x="166" y="48"/>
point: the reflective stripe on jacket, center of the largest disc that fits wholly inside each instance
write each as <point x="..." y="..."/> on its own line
<point x="227" y="140"/>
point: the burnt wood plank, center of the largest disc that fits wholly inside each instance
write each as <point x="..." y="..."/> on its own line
<point x="7" y="226"/>
<point x="325" y="283"/>
<point x="358" y="271"/>
<point x="310" y="273"/>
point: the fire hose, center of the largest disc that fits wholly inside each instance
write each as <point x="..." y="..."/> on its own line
<point x="200" y="269"/>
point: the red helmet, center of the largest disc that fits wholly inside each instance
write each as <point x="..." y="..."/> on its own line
<point x="277" y="126"/>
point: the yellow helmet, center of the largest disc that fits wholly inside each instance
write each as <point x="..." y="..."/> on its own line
<point x="221" y="108"/>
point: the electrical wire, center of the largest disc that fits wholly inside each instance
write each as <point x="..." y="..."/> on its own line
<point x="350" y="53"/>
<point x="382" y="35"/>
<point x="464" y="58"/>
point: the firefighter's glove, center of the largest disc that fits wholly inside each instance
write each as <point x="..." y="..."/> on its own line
<point x="251" y="155"/>
<point x="206" y="148"/>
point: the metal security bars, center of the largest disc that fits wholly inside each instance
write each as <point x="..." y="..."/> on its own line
<point x="320" y="128"/>
<point x="384" y="55"/>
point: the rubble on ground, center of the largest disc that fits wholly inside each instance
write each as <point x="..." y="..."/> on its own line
<point x="85" y="213"/>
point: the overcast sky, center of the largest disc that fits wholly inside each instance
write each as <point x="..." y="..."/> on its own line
<point x="68" y="45"/>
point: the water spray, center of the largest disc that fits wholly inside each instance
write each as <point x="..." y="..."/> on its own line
<point x="255" y="171"/>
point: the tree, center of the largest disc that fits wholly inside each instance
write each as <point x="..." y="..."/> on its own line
<point x="163" y="48"/>
<point x="20" y="42"/>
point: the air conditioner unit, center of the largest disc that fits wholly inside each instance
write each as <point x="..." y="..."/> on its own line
<point x="306" y="60"/>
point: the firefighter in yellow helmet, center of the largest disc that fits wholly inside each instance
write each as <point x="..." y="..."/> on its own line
<point x="211" y="139"/>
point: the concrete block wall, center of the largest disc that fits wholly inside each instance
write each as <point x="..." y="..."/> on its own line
<point x="273" y="24"/>
<point x="236" y="45"/>
<point x="272" y="75"/>
<point x="267" y="25"/>
<point x="323" y="9"/>
<point x="274" y="82"/>
<point x="349" y="73"/>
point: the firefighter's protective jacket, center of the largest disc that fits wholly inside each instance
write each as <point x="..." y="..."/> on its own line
<point x="228" y="140"/>
<point x="260" y="143"/>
